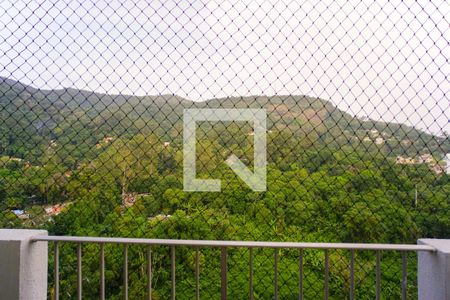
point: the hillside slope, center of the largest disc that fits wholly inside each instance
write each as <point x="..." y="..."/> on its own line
<point x="30" y="119"/>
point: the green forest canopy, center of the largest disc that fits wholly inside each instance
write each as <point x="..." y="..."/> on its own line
<point x="114" y="164"/>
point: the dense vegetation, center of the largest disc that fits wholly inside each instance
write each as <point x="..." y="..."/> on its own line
<point x="326" y="182"/>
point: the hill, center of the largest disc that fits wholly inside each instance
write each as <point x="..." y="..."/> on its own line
<point x="31" y="119"/>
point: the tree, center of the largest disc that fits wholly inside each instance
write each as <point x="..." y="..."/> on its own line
<point x="127" y="159"/>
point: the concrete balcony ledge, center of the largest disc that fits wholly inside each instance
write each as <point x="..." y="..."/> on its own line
<point x="433" y="276"/>
<point x="23" y="265"/>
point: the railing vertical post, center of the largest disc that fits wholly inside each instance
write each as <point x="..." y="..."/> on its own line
<point x="251" y="274"/>
<point x="223" y="273"/>
<point x="23" y="265"/>
<point x="197" y="274"/>
<point x="79" y="273"/>
<point x="149" y="273"/>
<point x="327" y="262"/>
<point x="404" y="276"/>
<point x="433" y="274"/>
<point x="352" y="274"/>
<point x="378" y="276"/>
<point x="102" y="271"/>
<point x="56" y="272"/>
<point x="300" y="286"/>
<point x="275" y="280"/>
<point x="173" y="271"/>
<point x="125" y="272"/>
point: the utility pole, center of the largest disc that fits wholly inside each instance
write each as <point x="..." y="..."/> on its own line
<point x="447" y="163"/>
<point x="415" y="196"/>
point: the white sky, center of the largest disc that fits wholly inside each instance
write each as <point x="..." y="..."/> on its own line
<point x="383" y="59"/>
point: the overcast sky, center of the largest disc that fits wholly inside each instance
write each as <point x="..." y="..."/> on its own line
<point x="383" y="59"/>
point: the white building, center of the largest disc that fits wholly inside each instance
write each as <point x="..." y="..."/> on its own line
<point x="379" y="141"/>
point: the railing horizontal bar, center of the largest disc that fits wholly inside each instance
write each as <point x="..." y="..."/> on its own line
<point x="248" y="244"/>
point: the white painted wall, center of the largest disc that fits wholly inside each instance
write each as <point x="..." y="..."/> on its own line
<point x="433" y="274"/>
<point x="23" y="265"/>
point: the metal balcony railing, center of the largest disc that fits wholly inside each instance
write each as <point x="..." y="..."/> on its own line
<point x="224" y="247"/>
<point x="24" y="265"/>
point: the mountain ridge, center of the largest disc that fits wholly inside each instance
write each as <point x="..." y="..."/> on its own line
<point x="44" y="113"/>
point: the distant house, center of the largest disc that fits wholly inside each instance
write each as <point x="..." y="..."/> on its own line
<point x="53" y="210"/>
<point x="56" y="209"/>
<point x="159" y="217"/>
<point x="425" y="159"/>
<point x="402" y="160"/>
<point x="379" y="141"/>
<point x="108" y="139"/>
<point x="438" y="169"/>
<point x="105" y="141"/>
<point x="15" y="159"/>
<point x="17" y="212"/>
<point x="406" y="142"/>
<point x="20" y="214"/>
<point x="130" y="199"/>
<point x="374" y="132"/>
<point x="52" y="144"/>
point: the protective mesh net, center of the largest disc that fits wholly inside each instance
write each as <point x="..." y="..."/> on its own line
<point x="92" y="97"/>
